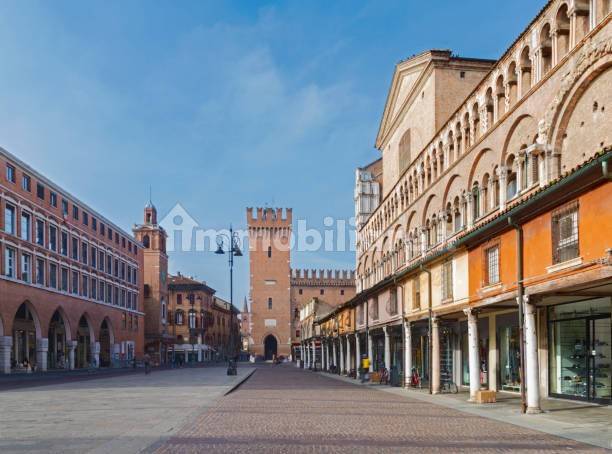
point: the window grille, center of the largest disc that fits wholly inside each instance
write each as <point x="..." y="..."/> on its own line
<point x="492" y="265"/>
<point x="447" y="280"/>
<point x="565" y="233"/>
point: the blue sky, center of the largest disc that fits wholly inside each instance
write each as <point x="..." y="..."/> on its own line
<point x="219" y="105"/>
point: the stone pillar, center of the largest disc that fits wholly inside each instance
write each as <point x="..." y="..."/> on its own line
<point x="435" y="356"/>
<point x="387" y="349"/>
<point x="348" y="355"/>
<point x="519" y="172"/>
<point x="470" y="211"/>
<point x="308" y="355"/>
<point x="314" y="354"/>
<point x="6" y="343"/>
<point x="95" y="354"/>
<point x="328" y="362"/>
<point x="493" y="364"/>
<point x="341" y="342"/>
<point x="473" y="353"/>
<point x="357" y="353"/>
<point x="407" y="353"/>
<point x="424" y="245"/>
<point x="502" y="174"/>
<point x="42" y="349"/>
<point x="334" y="353"/>
<point x="71" y="353"/>
<point x="370" y="352"/>
<point x="532" y="370"/>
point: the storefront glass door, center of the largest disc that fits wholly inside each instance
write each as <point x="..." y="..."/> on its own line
<point x="580" y="354"/>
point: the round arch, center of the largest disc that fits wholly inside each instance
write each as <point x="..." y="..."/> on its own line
<point x="26" y="333"/>
<point x="476" y="162"/>
<point x="60" y="333"/>
<point x="107" y="340"/>
<point x="522" y="132"/>
<point x="85" y="337"/>
<point x="448" y="187"/>
<point x="270" y="343"/>
<point x="426" y="208"/>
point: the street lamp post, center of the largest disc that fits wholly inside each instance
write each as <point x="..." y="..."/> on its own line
<point x="233" y="251"/>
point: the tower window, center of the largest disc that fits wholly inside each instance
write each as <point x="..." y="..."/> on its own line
<point x="146" y="241"/>
<point x="269" y="251"/>
<point x="269" y="303"/>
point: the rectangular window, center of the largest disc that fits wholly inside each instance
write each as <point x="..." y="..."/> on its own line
<point x="102" y="229"/>
<point x="75" y="283"/>
<point x="109" y="294"/>
<point x="269" y="252"/>
<point x="269" y="303"/>
<point x="75" y="212"/>
<point x="94" y="255"/>
<point x="123" y="270"/>
<point x="116" y="268"/>
<point x="122" y="298"/>
<point x="94" y="289"/>
<point x="40" y="232"/>
<point x="110" y="233"/>
<point x="10" y="173"/>
<point x="9" y="262"/>
<point x="26" y="267"/>
<point x="9" y="219"/>
<point x="53" y="199"/>
<point x="565" y="233"/>
<point x="53" y="238"/>
<point x="101" y="286"/>
<point x="53" y="275"/>
<point x="40" y="191"/>
<point x="26" y="226"/>
<point x="26" y="183"/>
<point x="64" y="208"/>
<point x="64" y="244"/>
<point x="393" y="301"/>
<point x="40" y="271"/>
<point x="84" y="249"/>
<point x="116" y="296"/>
<point x="85" y="218"/>
<point x="447" y="280"/>
<point x="109" y="264"/>
<point x="322" y="292"/>
<point x="64" y="280"/>
<point x="75" y="248"/>
<point x="101" y="260"/>
<point x="416" y="293"/>
<point x="179" y="299"/>
<point x="374" y="309"/>
<point x="94" y="223"/>
<point x="492" y="265"/>
<point x="85" y="286"/>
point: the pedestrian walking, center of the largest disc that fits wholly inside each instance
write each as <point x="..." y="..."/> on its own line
<point x="147" y="363"/>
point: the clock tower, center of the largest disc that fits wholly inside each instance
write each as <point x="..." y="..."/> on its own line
<point x="155" y="276"/>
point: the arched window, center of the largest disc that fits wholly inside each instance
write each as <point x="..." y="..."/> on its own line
<point x="456" y="215"/>
<point x="146" y="241"/>
<point x="563" y="31"/>
<point x="511" y="184"/>
<point x="525" y="68"/>
<point x="475" y="201"/>
<point x="545" y="49"/>
<point x="484" y="193"/>
<point x="178" y="317"/>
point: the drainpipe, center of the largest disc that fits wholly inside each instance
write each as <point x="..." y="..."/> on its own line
<point x="520" y="293"/>
<point x="429" y="345"/>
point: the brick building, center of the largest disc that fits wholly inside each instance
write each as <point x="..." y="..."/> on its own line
<point x="487" y="259"/>
<point x="70" y="279"/>
<point x="277" y="292"/>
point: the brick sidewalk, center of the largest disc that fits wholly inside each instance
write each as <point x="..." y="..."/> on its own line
<point x="284" y="409"/>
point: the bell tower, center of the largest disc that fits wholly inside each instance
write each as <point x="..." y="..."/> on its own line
<point x="269" y="264"/>
<point x="155" y="273"/>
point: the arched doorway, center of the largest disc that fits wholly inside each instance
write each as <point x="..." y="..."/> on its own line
<point x="84" y="340"/>
<point x="270" y="347"/>
<point x="25" y="332"/>
<point x="105" y="344"/>
<point x="58" y="348"/>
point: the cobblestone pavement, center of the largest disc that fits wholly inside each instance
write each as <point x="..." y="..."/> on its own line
<point x="281" y="409"/>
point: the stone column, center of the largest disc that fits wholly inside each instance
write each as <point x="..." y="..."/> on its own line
<point x="387" y="349"/>
<point x="493" y="365"/>
<point x="470" y="211"/>
<point x="328" y="362"/>
<point x="341" y="342"/>
<point x="370" y="352"/>
<point x="519" y="172"/>
<point x="357" y="353"/>
<point x="473" y="353"/>
<point x="334" y="353"/>
<point x="42" y="349"/>
<point x="95" y="353"/>
<point x="435" y="356"/>
<point x="71" y="353"/>
<point x="6" y="343"/>
<point x="314" y="354"/>
<point x="532" y="370"/>
<point x="423" y="233"/>
<point x="348" y="355"/>
<point x="407" y="353"/>
<point x="502" y="175"/>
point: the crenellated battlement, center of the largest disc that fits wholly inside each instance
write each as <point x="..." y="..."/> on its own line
<point x="306" y="277"/>
<point x="269" y="217"/>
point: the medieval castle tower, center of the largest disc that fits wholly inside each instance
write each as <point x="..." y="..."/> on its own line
<point x="277" y="291"/>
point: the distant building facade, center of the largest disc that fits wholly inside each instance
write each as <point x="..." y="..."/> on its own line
<point x="277" y="292"/>
<point x="70" y="279"/>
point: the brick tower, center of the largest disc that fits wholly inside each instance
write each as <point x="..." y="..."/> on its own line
<point x="155" y="271"/>
<point x="269" y="262"/>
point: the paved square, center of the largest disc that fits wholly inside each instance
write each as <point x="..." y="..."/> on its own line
<point x="281" y="409"/>
<point x="122" y="414"/>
